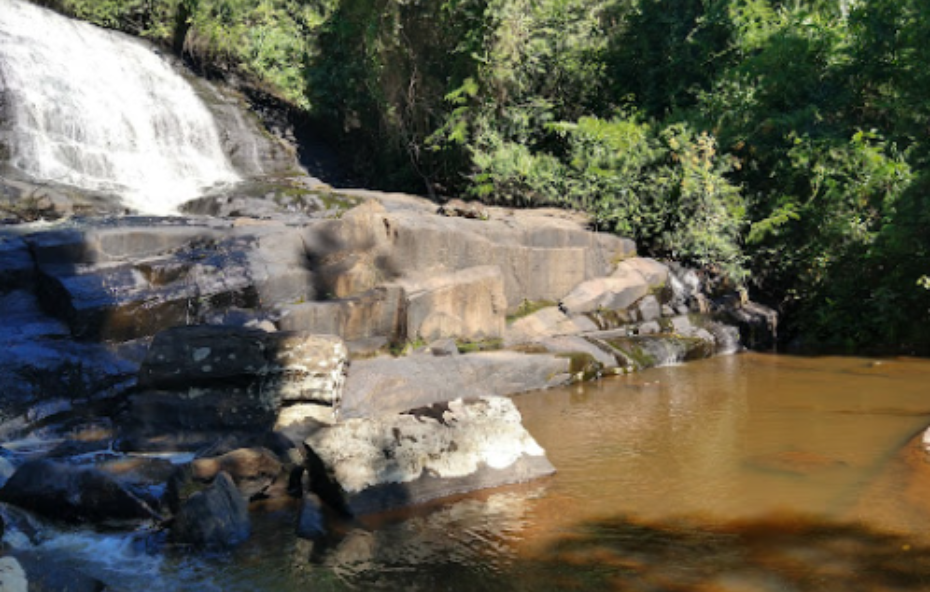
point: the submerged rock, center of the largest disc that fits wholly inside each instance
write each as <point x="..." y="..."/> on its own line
<point x="43" y="572"/>
<point x="310" y="520"/>
<point x="215" y="518"/>
<point x="253" y="470"/>
<point x="367" y="465"/>
<point x="73" y="494"/>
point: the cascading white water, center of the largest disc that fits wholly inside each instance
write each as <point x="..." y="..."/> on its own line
<point x="101" y="111"/>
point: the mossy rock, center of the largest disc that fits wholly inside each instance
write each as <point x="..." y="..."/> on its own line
<point x="467" y="347"/>
<point x="528" y="307"/>
<point x="583" y="366"/>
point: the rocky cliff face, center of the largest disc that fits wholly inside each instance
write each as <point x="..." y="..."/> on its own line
<point x="256" y="312"/>
<point x="347" y="346"/>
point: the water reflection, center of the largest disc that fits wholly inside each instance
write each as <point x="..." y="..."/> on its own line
<point x="786" y="553"/>
<point x="743" y="473"/>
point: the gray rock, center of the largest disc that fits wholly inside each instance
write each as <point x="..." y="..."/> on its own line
<point x="468" y="304"/>
<point x="103" y="296"/>
<point x="542" y="254"/>
<point x="73" y="494"/>
<point x="281" y="366"/>
<point x="638" y="352"/>
<point x="650" y="328"/>
<point x="253" y="470"/>
<point x="655" y="273"/>
<point x="6" y="471"/>
<point x="377" y="313"/>
<point x="682" y="325"/>
<point x="649" y="309"/>
<point x="196" y="415"/>
<point x="372" y="464"/>
<point x="215" y="518"/>
<point x="44" y="572"/>
<point x="17" y="268"/>
<point x="12" y="575"/>
<point x="609" y="293"/>
<point x="383" y="385"/>
<point x="579" y="345"/>
<point x="758" y="325"/>
<point x="546" y="322"/>
<point x="444" y="347"/>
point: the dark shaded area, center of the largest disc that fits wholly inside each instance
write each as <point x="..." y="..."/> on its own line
<point x="775" y="553"/>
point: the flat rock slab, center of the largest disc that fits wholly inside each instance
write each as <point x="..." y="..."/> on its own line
<point x="368" y="465"/>
<point x="284" y="366"/>
<point x="636" y="352"/>
<point x="391" y="385"/>
<point x="606" y="293"/>
<point x="547" y="322"/>
<point x="72" y="494"/>
<point x="655" y="273"/>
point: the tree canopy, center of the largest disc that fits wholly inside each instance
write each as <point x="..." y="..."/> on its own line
<point x="782" y="144"/>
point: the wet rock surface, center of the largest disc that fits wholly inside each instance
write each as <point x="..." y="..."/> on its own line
<point x="223" y="342"/>
<point x="215" y="518"/>
<point x="73" y="494"/>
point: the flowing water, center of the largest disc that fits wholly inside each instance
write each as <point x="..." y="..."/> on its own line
<point x="101" y="111"/>
<point x="739" y="473"/>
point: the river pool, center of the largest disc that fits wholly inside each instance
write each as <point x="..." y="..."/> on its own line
<point x="749" y="472"/>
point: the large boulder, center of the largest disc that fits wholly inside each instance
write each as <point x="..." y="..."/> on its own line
<point x="132" y="277"/>
<point x="372" y="464"/>
<point x="467" y="304"/>
<point x="385" y="385"/>
<point x="215" y="518"/>
<point x="378" y="313"/>
<point x="253" y="470"/>
<point x="654" y="273"/>
<point x="208" y="379"/>
<point x="73" y="494"/>
<point x="287" y="366"/>
<point x="38" y="571"/>
<point x="758" y="324"/>
<point x="606" y="293"/>
<point x="542" y="254"/>
<point x="17" y="269"/>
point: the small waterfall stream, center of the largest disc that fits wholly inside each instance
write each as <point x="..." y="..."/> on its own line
<point x="98" y="110"/>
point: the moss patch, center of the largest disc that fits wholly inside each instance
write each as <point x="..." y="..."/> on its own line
<point x="528" y="307"/>
<point x="467" y="347"/>
<point x="583" y="366"/>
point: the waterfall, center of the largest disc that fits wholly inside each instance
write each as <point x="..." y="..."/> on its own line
<point x="102" y="111"/>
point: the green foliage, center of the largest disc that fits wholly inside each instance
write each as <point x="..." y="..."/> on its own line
<point x="266" y="40"/>
<point x="786" y="138"/>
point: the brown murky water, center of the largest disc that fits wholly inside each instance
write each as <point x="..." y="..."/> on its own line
<point x="735" y="474"/>
<point x="747" y="472"/>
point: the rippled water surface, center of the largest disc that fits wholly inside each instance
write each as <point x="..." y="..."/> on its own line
<point x="738" y="473"/>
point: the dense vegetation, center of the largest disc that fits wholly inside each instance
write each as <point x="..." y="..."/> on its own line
<point x="781" y="143"/>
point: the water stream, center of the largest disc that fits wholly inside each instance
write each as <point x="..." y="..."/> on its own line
<point x="738" y="473"/>
<point x="101" y="111"/>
